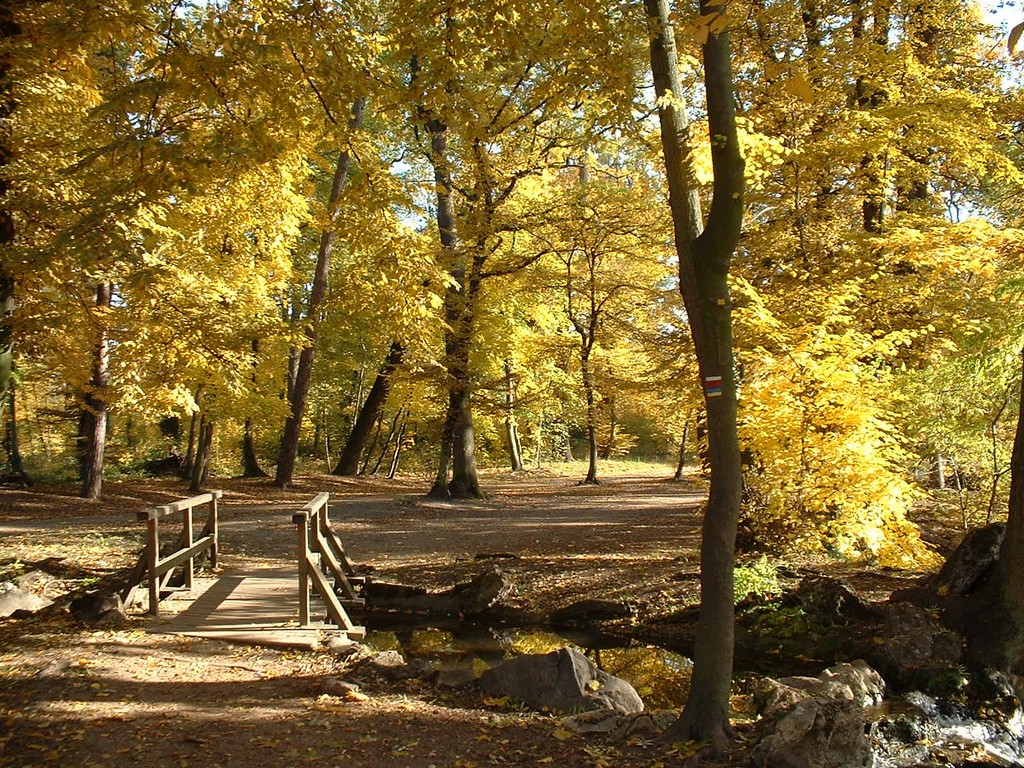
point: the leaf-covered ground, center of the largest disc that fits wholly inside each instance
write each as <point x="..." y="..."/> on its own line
<point x="75" y="695"/>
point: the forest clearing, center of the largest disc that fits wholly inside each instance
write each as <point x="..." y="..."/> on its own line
<point x="461" y="264"/>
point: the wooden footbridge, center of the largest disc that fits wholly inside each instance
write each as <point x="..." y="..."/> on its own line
<point x="301" y="605"/>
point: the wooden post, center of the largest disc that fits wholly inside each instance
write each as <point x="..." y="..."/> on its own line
<point x="152" y="555"/>
<point x="302" y="520"/>
<point x="213" y="528"/>
<point x="190" y="569"/>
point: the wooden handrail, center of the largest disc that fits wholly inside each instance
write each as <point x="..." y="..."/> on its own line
<point x="321" y="553"/>
<point x="151" y="566"/>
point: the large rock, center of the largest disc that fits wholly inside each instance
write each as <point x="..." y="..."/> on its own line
<point x="971" y="561"/>
<point x="100" y="608"/>
<point x="817" y="733"/>
<point x="854" y="681"/>
<point x="14" y="598"/>
<point x="865" y="684"/>
<point x="830" y="600"/>
<point x="484" y="591"/>
<point x="560" y="681"/>
<point x="915" y="642"/>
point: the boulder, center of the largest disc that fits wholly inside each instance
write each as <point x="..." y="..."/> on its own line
<point x="100" y="608"/>
<point x="485" y="590"/>
<point x="14" y="598"/>
<point x="560" y="681"/>
<point x="456" y="676"/>
<point x="865" y="684"/>
<point x="773" y="697"/>
<point x="830" y="600"/>
<point x="916" y="642"/>
<point x="817" y="733"/>
<point x="966" y="568"/>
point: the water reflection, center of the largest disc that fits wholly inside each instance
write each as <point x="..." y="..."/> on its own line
<point x="661" y="677"/>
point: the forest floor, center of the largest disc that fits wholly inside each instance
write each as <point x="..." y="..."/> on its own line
<point x="77" y="695"/>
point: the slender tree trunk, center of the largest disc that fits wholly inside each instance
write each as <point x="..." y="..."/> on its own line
<point x="193" y="438"/>
<point x="588" y="388"/>
<point x="348" y="463"/>
<point x="304" y="371"/>
<point x="9" y="29"/>
<point x="6" y="318"/>
<point x="396" y="424"/>
<point x="704" y="260"/>
<point x="372" y="446"/>
<point x="13" y="445"/>
<point x="515" y="450"/>
<point x="201" y="467"/>
<point x="393" y="470"/>
<point x="95" y="405"/>
<point x="682" y="452"/>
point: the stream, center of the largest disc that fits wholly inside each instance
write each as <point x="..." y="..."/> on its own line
<point x="906" y="730"/>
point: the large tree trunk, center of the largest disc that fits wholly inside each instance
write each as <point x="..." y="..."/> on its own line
<point x="304" y="370"/>
<point x="458" y="444"/>
<point x="993" y="618"/>
<point x="348" y="464"/>
<point x="704" y="260"/>
<point x="94" y="407"/>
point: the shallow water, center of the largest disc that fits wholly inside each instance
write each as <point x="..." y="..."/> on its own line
<point x="661" y="677"/>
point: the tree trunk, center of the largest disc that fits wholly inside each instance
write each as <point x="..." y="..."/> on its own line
<point x="250" y="461"/>
<point x="348" y="463"/>
<point x="458" y="448"/>
<point x="515" y="450"/>
<point x="8" y="30"/>
<point x="993" y="619"/>
<point x="201" y="467"/>
<point x="94" y="407"/>
<point x="704" y="260"/>
<point x="682" y="452"/>
<point x="588" y="388"/>
<point x="193" y="438"/>
<point x="304" y="370"/>
<point x="12" y="443"/>
<point x="394" y="432"/>
<point x="6" y="317"/>
<point x="393" y="469"/>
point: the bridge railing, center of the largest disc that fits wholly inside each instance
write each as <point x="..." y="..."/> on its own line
<point x="157" y="569"/>
<point x="321" y="555"/>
